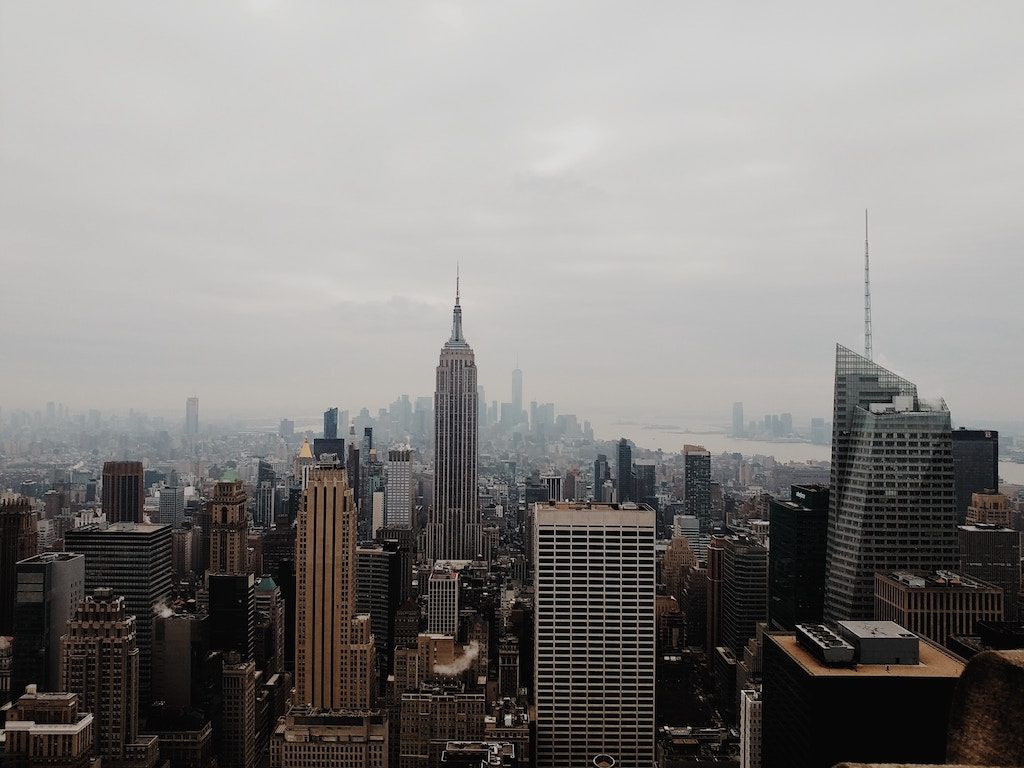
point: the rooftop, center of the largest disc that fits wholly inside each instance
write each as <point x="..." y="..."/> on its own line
<point x="934" y="661"/>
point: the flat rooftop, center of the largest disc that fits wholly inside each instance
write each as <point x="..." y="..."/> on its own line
<point x="934" y="663"/>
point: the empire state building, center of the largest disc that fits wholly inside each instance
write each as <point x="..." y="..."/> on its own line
<point x="453" y="532"/>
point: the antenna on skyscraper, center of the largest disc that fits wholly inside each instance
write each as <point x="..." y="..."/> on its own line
<point x="456" y="282"/>
<point x="867" y="292"/>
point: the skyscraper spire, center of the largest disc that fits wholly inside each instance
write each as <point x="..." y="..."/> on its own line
<point x="457" y="339"/>
<point x="867" y="292"/>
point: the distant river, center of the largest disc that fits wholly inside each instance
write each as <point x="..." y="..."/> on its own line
<point x="673" y="440"/>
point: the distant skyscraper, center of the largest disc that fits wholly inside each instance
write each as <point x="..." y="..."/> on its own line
<point x="229" y="525"/>
<point x="602" y="472"/>
<point x="603" y="702"/>
<point x="517" y="394"/>
<point x="100" y="663"/>
<point x="738" y="429"/>
<point x="18" y="539"/>
<point x="192" y="416"/>
<point x="124" y="491"/>
<point x="744" y="590"/>
<point x="135" y="560"/>
<point x="334" y="654"/>
<point x="331" y="424"/>
<point x="796" y="568"/>
<point x="624" y="472"/>
<point x="454" y="528"/>
<point x="50" y="586"/>
<point x="398" y="489"/>
<point x="697" y="484"/>
<point x="891" y="503"/>
<point x="232" y="609"/>
<point x="975" y="465"/>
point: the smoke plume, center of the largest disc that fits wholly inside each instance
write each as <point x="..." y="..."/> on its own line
<point x="461" y="663"/>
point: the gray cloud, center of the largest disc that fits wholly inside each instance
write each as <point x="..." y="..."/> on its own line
<point x="657" y="209"/>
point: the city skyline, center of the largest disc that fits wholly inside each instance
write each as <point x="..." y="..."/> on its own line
<point x="713" y="221"/>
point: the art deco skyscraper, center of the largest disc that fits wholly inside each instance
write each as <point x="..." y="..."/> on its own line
<point x="100" y="663"/>
<point x="891" y="505"/>
<point x="453" y="532"/>
<point x="334" y="651"/>
<point x="229" y="526"/>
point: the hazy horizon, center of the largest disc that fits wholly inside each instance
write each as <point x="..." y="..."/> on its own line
<point x="655" y="212"/>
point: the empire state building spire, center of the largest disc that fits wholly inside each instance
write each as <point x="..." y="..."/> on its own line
<point x="457" y="339"/>
<point x="453" y="531"/>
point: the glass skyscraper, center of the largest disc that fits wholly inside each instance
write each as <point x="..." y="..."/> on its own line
<point x="891" y="505"/>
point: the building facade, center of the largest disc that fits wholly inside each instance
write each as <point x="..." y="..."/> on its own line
<point x="936" y="605"/>
<point x="796" y="568"/>
<point x="334" y="652"/>
<point x="453" y="531"/>
<point x="50" y="587"/>
<point x="594" y="634"/>
<point x="124" y="491"/>
<point x="18" y="540"/>
<point x="891" y="504"/>
<point x="398" y="490"/>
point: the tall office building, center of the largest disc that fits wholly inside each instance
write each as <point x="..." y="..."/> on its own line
<point x="891" y="504"/>
<point x="443" y="603"/>
<point x="100" y="663"/>
<point x="331" y="424"/>
<point x="398" y="489"/>
<point x="18" y="540"/>
<point x="238" y="718"/>
<point x="379" y="593"/>
<point x="50" y="587"/>
<point x="192" y="416"/>
<point x="594" y="635"/>
<point x="232" y="609"/>
<point x="697" y="484"/>
<point x="172" y="505"/>
<point x="134" y="559"/>
<point x="229" y="526"/>
<point x="124" y="491"/>
<point x="744" y="591"/>
<point x="334" y="664"/>
<point x="270" y="627"/>
<point x="975" y="465"/>
<point x="796" y="568"/>
<point x="738" y="425"/>
<point x="517" y="394"/>
<point x="453" y="532"/>
<point x="992" y="553"/>
<point x="624" y="471"/>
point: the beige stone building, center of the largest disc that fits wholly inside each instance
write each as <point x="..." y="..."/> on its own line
<point x="334" y="648"/>
<point x="47" y="729"/>
<point x="319" y="738"/>
<point x="936" y="605"/>
<point x="100" y="663"/>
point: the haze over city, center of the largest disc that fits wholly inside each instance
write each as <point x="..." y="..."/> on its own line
<point x="657" y="212"/>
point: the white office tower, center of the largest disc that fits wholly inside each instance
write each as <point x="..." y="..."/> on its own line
<point x="443" y="603"/>
<point x="398" y="489"/>
<point x="750" y="728"/>
<point x="594" y="635"/>
<point x="172" y="505"/>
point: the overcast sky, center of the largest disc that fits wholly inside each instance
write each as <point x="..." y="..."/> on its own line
<point x="657" y="206"/>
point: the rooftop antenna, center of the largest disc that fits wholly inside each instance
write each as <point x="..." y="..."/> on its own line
<point x="456" y="282"/>
<point x="867" y="292"/>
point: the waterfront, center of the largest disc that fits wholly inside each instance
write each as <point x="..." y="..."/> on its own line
<point x="673" y="440"/>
